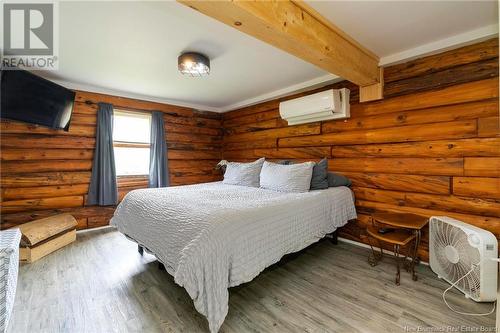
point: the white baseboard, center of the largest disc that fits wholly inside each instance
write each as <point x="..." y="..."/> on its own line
<point x="96" y="228"/>
<point x="366" y="246"/>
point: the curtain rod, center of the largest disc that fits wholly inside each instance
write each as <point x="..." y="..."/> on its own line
<point x="127" y="108"/>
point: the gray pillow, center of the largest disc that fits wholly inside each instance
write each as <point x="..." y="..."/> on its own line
<point x="319" y="180"/>
<point x="243" y="174"/>
<point x="336" y="179"/>
<point x="286" y="178"/>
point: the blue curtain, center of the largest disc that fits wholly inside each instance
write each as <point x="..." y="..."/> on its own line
<point x="103" y="190"/>
<point x="158" y="168"/>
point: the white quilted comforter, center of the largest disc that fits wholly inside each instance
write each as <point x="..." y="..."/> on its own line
<point x="214" y="236"/>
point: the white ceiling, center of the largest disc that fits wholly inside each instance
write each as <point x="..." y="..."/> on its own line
<point x="131" y="48"/>
<point x="391" y="27"/>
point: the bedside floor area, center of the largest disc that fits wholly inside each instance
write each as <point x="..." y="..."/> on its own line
<point x="100" y="283"/>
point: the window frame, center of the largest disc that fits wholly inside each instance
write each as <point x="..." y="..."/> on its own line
<point x="131" y="144"/>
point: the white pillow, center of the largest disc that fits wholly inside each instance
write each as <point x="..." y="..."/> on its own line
<point x="286" y="178"/>
<point x="244" y="174"/>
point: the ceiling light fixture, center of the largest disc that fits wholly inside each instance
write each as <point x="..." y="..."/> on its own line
<point x="193" y="64"/>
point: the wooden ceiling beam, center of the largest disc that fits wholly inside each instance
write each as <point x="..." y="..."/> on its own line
<point x="296" y="28"/>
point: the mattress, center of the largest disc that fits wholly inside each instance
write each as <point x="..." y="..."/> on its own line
<point x="214" y="236"/>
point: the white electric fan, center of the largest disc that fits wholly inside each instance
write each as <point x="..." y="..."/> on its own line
<point x="465" y="256"/>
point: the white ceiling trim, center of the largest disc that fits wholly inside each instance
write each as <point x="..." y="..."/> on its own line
<point x="442" y="45"/>
<point x="452" y="42"/>
<point x="456" y="41"/>
<point x="101" y="90"/>
<point x="296" y="88"/>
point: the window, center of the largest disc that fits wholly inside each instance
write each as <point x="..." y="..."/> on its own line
<point x="131" y="142"/>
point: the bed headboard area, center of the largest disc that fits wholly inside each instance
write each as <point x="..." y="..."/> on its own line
<point x="430" y="147"/>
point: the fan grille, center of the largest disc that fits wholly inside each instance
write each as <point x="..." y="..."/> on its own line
<point x="447" y="238"/>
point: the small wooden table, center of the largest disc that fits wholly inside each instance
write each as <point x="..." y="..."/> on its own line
<point x="408" y="231"/>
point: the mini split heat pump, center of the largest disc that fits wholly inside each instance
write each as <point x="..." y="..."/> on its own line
<point x="325" y="105"/>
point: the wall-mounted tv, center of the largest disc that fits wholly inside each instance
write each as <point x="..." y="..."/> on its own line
<point x="32" y="99"/>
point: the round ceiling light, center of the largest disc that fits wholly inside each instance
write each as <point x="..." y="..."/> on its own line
<point x="193" y="64"/>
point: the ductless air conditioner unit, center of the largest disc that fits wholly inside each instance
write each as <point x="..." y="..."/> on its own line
<point x="325" y="105"/>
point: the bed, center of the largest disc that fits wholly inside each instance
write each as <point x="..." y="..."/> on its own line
<point x="214" y="236"/>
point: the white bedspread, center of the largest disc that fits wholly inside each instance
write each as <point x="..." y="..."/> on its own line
<point x="214" y="236"/>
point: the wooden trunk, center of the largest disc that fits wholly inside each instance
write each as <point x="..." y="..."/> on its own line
<point x="31" y="254"/>
<point x="44" y="236"/>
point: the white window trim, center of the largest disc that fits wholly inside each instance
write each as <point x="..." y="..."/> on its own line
<point x="132" y="144"/>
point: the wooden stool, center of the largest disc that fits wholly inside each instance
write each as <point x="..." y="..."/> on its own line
<point x="44" y="236"/>
<point x="408" y="231"/>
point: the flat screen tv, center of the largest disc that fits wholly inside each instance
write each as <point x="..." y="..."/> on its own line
<point x="32" y="99"/>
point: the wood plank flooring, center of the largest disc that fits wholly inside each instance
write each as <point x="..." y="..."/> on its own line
<point x="101" y="284"/>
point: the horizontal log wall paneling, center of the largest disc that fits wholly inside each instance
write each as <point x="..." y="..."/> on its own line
<point x="430" y="147"/>
<point x="46" y="171"/>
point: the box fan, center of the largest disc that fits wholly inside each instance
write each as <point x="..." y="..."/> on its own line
<point x="465" y="256"/>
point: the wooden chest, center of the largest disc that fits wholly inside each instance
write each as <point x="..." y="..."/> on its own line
<point x="44" y="236"/>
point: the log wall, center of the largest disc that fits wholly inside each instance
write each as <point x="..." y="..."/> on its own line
<point x="45" y="171"/>
<point x="430" y="147"/>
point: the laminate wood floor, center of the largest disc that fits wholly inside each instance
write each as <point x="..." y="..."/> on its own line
<point x="101" y="284"/>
